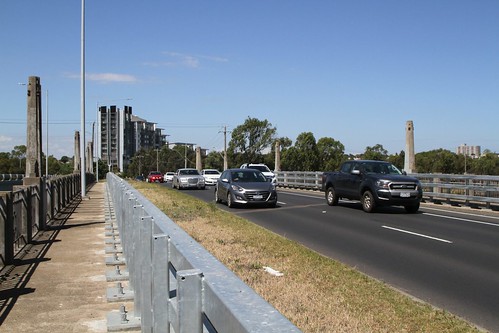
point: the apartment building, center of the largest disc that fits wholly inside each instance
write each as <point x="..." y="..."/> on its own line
<point x="121" y="134"/>
<point x="471" y="151"/>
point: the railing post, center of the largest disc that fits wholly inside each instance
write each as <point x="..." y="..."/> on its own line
<point x="144" y="257"/>
<point x="7" y="227"/>
<point x="161" y="284"/>
<point x="189" y="298"/>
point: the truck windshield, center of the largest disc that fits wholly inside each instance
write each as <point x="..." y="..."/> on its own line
<point x="383" y="168"/>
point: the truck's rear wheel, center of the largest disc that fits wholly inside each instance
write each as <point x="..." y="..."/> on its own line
<point x="331" y="197"/>
<point x="368" y="203"/>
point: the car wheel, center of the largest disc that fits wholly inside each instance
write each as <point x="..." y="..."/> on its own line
<point x="230" y="203"/>
<point x="331" y="197"/>
<point x="217" y="199"/>
<point x="368" y="203"/>
<point x="412" y="208"/>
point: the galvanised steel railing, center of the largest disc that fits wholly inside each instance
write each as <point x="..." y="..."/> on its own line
<point x="26" y="210"/>
<point x="178" y="286"/>
<point x="10" y="176"/>
<point x="470" y="190"/>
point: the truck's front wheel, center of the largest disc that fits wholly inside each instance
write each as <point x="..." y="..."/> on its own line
<point x="368" y="203"/>
<point x="331" y="197"/>
<point x="412" y="208"/>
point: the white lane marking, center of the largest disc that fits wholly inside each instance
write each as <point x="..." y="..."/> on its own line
<point x="281" y="203"/>
<point x="461" y="219"/>
<point x="416" y="234"/>
<point x="462" y="213"/>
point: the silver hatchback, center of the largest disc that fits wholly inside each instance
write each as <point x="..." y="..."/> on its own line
<point x="245" y="187"/>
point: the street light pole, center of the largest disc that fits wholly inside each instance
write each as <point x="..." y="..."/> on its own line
<point x="465" y="170"/>
<point x="82" y="141"/>
<point x="47" y="139"/>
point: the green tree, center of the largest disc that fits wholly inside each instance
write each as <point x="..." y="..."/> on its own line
<point x="376" y="152"/>
<point x="438" y="161"/>
<point x="290" y="160"/>
<point x="214" y="160"/>
<point x="306" y="152"/>
<point x="331" y="154"/>
<point x="250" y="139"/>
<point x="487" y="164"/>
<point x="19" y="152"/>
<point x="398" y="159"/>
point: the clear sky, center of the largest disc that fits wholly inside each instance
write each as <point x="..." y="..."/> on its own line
<point x="355" y="71"/>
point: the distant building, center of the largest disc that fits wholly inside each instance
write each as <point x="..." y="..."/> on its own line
<point x="121" y="134"/>
<point x="471" y="151"/>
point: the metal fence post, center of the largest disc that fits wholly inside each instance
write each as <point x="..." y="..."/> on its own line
<point x="144" y="257"/>
<point x="7" y="227"/>
<point x="161" y="284"/>
<point x="189" y="301"/>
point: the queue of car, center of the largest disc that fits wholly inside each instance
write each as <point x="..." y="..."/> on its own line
<point x="251" y="184"/>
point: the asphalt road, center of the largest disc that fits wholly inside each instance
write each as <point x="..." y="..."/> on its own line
<point x="444" y="256"/>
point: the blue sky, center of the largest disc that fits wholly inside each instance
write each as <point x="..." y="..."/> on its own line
<point x="355" y="71"/>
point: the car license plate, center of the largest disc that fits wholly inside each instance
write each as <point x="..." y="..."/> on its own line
<point x="405" y="194"/>
<point x="258" y="197"/>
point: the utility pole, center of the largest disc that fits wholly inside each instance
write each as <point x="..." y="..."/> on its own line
<point x="226" y="166"/>
<point x="157" y="159"/>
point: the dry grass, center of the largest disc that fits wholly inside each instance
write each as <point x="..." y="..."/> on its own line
<point x="316" y="293"/>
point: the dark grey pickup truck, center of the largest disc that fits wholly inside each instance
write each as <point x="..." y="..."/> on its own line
<point x="374" y="183"/>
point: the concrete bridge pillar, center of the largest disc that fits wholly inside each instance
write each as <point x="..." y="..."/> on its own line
<point x="34" y="128"/>
<point x="77" y="157"/>
<point x="410" y="159"/>
<point x="277" y="166"/>
<point x="199" y="165"/>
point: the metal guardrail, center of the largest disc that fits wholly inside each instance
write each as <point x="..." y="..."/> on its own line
<point x="469" y="190"/>
<point x="10" y="176"/>
<point x="26" y="210"/>
<point x="177" y="284"/>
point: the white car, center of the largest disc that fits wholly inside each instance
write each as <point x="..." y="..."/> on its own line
<point x="210" y="176"/>
<point x="263" y="168"/>
<point x="168" y="177"/>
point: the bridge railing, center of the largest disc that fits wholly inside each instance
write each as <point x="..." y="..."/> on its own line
<point x="178" y="286"/>
<point x="10" y="176"/>
<point x="469" y="190"/>
<point x="26" y="209"/>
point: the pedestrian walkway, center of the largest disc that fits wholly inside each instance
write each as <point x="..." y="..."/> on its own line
<point x="59" y="285"/>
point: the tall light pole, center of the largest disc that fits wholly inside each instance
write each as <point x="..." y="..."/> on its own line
<point x="47" y="139"/>
<point x="465" y="152"/>
<point x="82" y="141"/>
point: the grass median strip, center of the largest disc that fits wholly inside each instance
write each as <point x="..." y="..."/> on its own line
<point x="316" y="293"/>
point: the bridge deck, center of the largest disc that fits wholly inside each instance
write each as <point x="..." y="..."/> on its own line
<point x="59" y="283"/>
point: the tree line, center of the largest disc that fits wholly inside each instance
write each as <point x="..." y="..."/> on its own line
<point x="255" y="141"/>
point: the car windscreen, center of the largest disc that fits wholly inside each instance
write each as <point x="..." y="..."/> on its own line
<point x="189" y="172"/>
<point x="211" y="172"/>
<point x="382" y="168"/>
<point x="248" y="177"/>
<point x="262" y="168"/>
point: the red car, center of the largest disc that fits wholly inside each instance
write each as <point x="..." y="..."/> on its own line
<point x="155" y="176"/>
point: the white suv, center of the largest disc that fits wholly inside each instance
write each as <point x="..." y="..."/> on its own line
<point x="263" y="168"/>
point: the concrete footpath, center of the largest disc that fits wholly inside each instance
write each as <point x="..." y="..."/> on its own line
<point x="59" y="285"/>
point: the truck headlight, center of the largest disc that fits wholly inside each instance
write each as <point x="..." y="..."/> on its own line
<point x="384" y="184"/>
